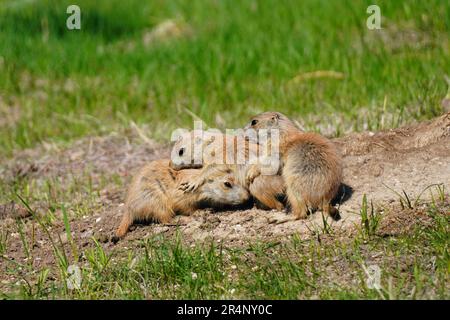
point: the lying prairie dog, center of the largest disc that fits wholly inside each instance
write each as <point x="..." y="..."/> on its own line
<point x="154" y="193"/>
<point x="213" y="150"/>
<point x="312" y="168"/>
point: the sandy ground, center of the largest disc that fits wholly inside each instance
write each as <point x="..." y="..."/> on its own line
<point x="410" y="158"/>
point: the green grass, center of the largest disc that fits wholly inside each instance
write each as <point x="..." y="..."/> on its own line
<point x="237" y="61"/>
<point x="413" y="266"/>
<point x="329" y="265"/>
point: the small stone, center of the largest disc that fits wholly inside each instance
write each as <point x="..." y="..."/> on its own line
<point x="63" y="237"/>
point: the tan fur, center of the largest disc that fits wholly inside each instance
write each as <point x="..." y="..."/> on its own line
<point x="154" y="193"/>
<point x="274" y="120"/>
<point x="266" y="189"/>
<point x="312" y="168"/>
<point x="213" y="148"/>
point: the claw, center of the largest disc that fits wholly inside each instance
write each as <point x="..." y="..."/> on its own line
<point x="184" y="186"/>
<point x="187" y="187"/>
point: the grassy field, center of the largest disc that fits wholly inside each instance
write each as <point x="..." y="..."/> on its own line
<point x="228" y="62"/>
<point x="222" y="62"/>
<point x="331" y="265"/>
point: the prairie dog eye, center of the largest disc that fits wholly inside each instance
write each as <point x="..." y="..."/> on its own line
<point x="254" y="122"/>
<point x="181" y="152"/>
<point x="227" y="184"/>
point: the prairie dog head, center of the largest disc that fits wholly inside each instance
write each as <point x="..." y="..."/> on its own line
<point x="184" y="152"/>
<point x="223" y="189"/>
<point x="271" y="120"/>
<point x="196" y="148"/>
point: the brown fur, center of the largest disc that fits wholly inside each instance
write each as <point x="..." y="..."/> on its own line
<point x="266" y="189"/>
<point x="216" y="148"/>
<point x="312" y="168"/>
<point x="274" y="120"/>
<point x="154" y="193"/>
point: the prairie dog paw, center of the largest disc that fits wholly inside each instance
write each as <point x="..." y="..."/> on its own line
<point x="188" y="186"/>
<point x="252" y="174"/>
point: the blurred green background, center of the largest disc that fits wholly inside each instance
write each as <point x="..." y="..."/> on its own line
<point x="162" y="63"/>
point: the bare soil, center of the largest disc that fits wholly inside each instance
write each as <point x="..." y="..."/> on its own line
<point x="407" y="159"/>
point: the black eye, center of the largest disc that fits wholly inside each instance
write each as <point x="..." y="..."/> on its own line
<point x="254" y="122"/>
<point x="227" y="184"/>
<point x="180" y="153"/>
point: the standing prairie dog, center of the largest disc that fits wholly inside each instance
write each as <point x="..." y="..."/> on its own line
<point x="154" y="193"/>
<point x="312" y="167"/>
<point x="215" y="150"/>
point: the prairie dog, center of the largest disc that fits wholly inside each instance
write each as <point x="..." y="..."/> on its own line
<point x="196" y="148"/>
<point x="312" y="167"/>
<point x="154" y="193"/>
<point x="211" y="150"/>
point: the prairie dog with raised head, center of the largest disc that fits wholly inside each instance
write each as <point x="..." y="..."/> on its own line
<point x="214" y="149"/>
<point x="154" y="193"/>
<point x="312" y="167"/>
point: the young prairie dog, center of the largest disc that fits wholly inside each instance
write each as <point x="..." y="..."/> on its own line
<point x="154" y="193"/>
<point x="212" y="150"/>
<point x="196" y="148"/>
<point x="312" y="167"/>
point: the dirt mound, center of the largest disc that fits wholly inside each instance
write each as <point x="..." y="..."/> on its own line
<point x="406" y="139"/>
<point x="98" y="155"/>
<point x="381" y="165"/>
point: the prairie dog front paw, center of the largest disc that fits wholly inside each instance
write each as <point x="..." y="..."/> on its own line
<point x="188" y="186"/>
<point x="252" y="173"/>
